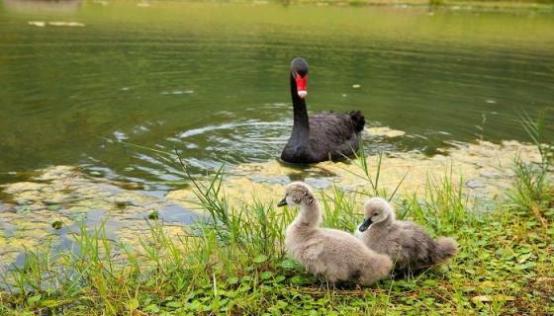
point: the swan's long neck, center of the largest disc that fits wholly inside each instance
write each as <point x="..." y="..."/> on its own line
<point x="301" y="126"/>
<point x="309" y="215"/>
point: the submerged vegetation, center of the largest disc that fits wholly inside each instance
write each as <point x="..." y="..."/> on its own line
<point x="235" y="263"/>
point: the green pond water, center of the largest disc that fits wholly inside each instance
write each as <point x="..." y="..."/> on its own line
<point x="212" y="79"/>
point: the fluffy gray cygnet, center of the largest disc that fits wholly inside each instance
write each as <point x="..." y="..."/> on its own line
<point x="331" y="253"/>
<point x="408" y="245"/>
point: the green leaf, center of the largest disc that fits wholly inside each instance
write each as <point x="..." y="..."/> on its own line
<point x="52" y="303"/>
<point x="244" y="288"/>
<point x="288" y="264"/>
<point x="470" y="271"/>
<point x="260" y="259"/>
<point x="524" y="257"/>
<point x="227" y="293"/>
<point x="526" y="266"/>
<point x="174" y="304"/>
<point x="430" y="283"/>
<point x="33" y="299"/>
<point x="266" y="275"/>
<point x="196" y="306"/>
<point x="299" y="280"/>
<point x="232" y="280"/>
<point x="404" y="284"/>
<point x="133" y="304"/>
<point x="152" y="308"/>
<point x="222" y="303"/>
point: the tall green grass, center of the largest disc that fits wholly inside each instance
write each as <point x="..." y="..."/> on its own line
<point x="235" y="250"/>
<point x="371" y="179"/>
<point x="532" y="189"/>
<point x="444" y="208"/>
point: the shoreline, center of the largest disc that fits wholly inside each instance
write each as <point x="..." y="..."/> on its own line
<point x="235" y="261"/>
<point x="504" y="264"/>
<point x="67" y="195"/>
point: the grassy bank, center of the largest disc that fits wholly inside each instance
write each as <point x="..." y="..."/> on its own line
<point x="238" y="265"/>
<point x="234" y="263"/>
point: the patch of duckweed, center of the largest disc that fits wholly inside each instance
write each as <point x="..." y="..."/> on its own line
<point x="386" y="132"/>
<point x="43" y="210"/>
<point x="485" y="169"/>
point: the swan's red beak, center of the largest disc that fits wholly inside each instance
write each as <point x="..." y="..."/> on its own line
<point x="301" y="85"/>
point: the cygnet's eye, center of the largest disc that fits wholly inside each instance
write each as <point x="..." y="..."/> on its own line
<point x="375" y="214"/>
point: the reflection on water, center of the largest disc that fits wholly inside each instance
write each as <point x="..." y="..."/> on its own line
<point x="211" y="80"/>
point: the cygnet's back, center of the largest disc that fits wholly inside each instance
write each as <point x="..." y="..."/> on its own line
<point x="334" y="254"/>
<point x="408" y="245"/>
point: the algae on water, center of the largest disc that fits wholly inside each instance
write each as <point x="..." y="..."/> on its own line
<point x="48" y="208"/>
<point x="67" y="195"/>
<point x="485" y="169"/>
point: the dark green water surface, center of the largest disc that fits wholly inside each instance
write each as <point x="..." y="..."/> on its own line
<point x="212" y="79"/>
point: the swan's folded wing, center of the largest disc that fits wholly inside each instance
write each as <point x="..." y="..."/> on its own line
<point x="333" y="133"/>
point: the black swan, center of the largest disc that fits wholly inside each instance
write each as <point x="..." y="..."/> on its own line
<point x="323" y="136"/>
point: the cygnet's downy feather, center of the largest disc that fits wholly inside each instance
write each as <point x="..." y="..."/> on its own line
<point x="336" y="255"/>
<point x="408" y="245"/>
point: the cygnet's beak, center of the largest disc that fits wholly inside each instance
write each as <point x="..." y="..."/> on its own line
<point x="283" y="202"/>
<point x="365" y="225"/>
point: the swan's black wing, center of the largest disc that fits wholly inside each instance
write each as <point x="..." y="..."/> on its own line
<point x="335" y="134"/>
